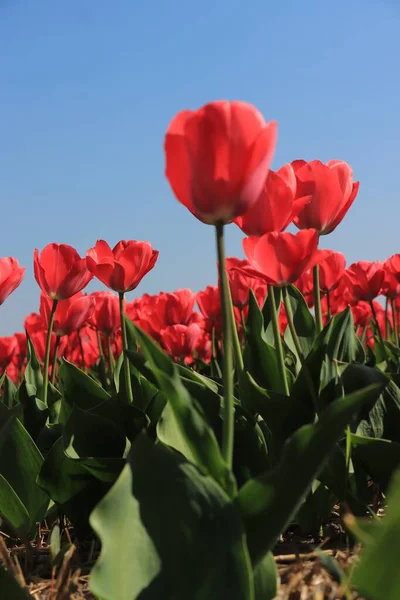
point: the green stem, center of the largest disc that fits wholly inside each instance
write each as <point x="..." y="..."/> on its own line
<point x="317" y="299"/>
<point x="379" y="331"/>
<point x="82" y="351"/>
<point x="47" y="352"/>
<point x="328" y="304"/>
<point x="227" y="375"/>
<point x="54" y="362"/>
<point x="111" y="361"/>
<point x="237" y="350"/>
<point x="127" y="370"/>
<point x="387" y="318"/>
<point x="394" y="317"/>
<point x="277" y="338"/>
<point x="297" y="345"/>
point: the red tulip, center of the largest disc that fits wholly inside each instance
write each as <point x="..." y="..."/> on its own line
<point x="277" y="205"/>
<point x="305" y="284"/>
<point x="179" y="307"/>
<point x="73" y="351"/>
<point x="60" y="272"/>
<point x="106" y="317"/>
<point x="208" y="302"/>
<point x="362" y="313"/>
<point x="332" y="193"/>
<point x="392" y="265"/>
<point x="365" y="279"/>
<point x="33" y="323"/>
<point x="331" y="269"/>
<point x="181" y="341"/>
<point x="390" y="286"/>
<point x="39" y="339"/>
<point x="71" y="314"/>
<point x="280" y="258"/>
<point x="11" y="275"/>
<point x="122" y="268"/>
<point x="217" y="159"/>
<point x="240" y="284"/>
<point x="8" y="346"/>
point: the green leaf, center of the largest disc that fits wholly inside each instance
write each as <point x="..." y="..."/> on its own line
<point x="379" y="458"/>
<point x="266" y="578"/>
<point x="282" y="414"/>
<point x="303" y="321"/>
<point x="176" y="535"/>
<point x="342" y="343"/>
<point x="198" y="435"/>
<point x="34" y="412"/>
<point x="69" y="484"/>
<point x="11" y="507"/>
<point x="377" y="575"/>
<point x="10" y="588"/>
<point x="20" y="462"/>
<point x="78" y="388"/>
<point x="260" y="358"/>
<point x="269" y="502"/>
<point x="33" y="374"/>
<point x="9" y="392"/>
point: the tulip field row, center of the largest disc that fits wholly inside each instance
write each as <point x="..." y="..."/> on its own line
<point x="179" y="436"/>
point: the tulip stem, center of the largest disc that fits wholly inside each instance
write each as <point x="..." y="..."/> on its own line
<point x="379" y="331"/>
<point x="237" y="349"/>
<point x="297" y="345"/>
<point x="54" y="363"/>
<point x="47" y="352"/>
<point x="81" y="350"/>
<point x="317" y="299"/>
<point x="111" y="361"/>
<point x="277" y="338"/>
<point x="127" y="370"/>
<point x="387" y="318"/>
<point x="228" y="425"/>
<point x="394" y="317"/>
<point x="328" y="305"/>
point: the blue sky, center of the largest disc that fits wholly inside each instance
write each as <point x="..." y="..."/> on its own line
<point x="88" y="88"/>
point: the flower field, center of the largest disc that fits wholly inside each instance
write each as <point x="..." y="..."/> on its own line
<point x="167" y="447"/>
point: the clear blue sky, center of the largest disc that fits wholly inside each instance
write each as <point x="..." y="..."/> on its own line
<point x="88" y="88"/>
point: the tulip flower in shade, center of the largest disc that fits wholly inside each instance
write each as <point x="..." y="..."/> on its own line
<point x="60" y="272"/>
<point x="276" y="206"/>
<point x="181" y="341"/>
<point x="365" y="279"/>
<point x="331" y="269"/>
<point x="280" y="258"/>
<point x="241" y="284"/>
<point x="217" y="159"/>
<point x="122" y="268"/>
<point x="392" y="265"/>
<point x="332" y="192"/>
<point x="8" y="345"/>
<point x="11" y="275"/>
<point x="71" y="314"/>
<point x="105" y="317"/>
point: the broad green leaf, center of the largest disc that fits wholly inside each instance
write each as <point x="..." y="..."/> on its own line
<point x="33" y="374"/>
<point x="377" y="575"/>
<point x="176" y="535"/>
<point x="342" y="343"/>
<point x="266" y="578"/>
<point x="260" y="358"/>
<point x="9" y="392"/>
<point x="269" y="502"/>
<point x="71" y="486"/>
<point x="78" y="388"/>
<point x="20" y="462"/>
<point x="34" y="412"/>
<point x="11" y="507"/>
<point x="303" y="321"/>
<point x="380" y="458"/>
<point x="189" y="417"/>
